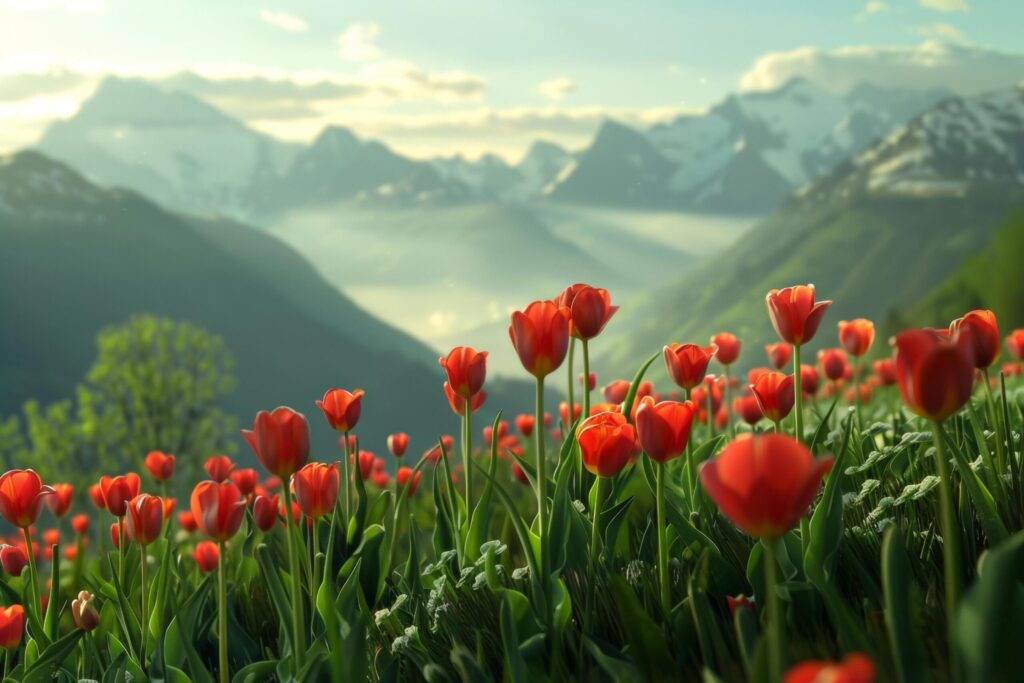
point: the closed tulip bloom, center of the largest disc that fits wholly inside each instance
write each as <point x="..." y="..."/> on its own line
<point x="458" y="404"/>
<point x="397" y="443"/>
<point x="22" y="493"/>
<point x="380" y="479"/>
<point x="885" y="371"/>
<point x="935" y="375"/>
<point x="316" y="488"/>
<point x="13" y="559"/>
<point x="342" y="408"/>
<point x="466" y="369"/>
<point x="833" y="363"/>
<point x="978" y="333"/>
<point x="748" y="409"/>
<point x="219" y="467"/>
<point x="540" y="336"/>
<point x="590" y="309"/>
<point x="664" y="428"/>
<point x="525" y="423"/>
<point x="170" y="504"/>
<point x="1015" y="343"/>
<point x="728" y="348"/>
<point x="84" y="612"/>
<point x="774" y="393"/>
<point x="187" y="521"/>
<point x="207" y="556"/>
<point x="405" y="475"/>
<point x="855" y="668"/>
<point x="779" y="354"/>
<point x="218" y="509"/>
<point x="145" y="519"/>
<point x="687" y="363"/>
<point x="616" y="391"/>
<point x="12" y="626"/>
<point x="246" y="480"/>
<point x="856" y="336"/>
<point x="606" y="441"/>
<point x="80" y="523"/>
<point x="764" y="484"/>
<point x="160" y="465"/>
<point x="794" y="313"/>
<point x="366" y="460"/>
<point x="563" y="412"/>
<point x="96" y="495"/>
<point x="264" y="511"/>
<point x="809" y="379"/>
<point x="117" y="491"/>
<point x="60" y="502"/>
<point x="280" y="440"/>
<point x="115" y="535"/>
<point x="51" y="537"/>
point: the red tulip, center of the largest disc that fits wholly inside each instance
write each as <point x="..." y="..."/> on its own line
<point x="218" y="509"/>
<point x="397" y="443"/>
<point x="13" y="559"/>
<point x="794" y="313"/>
<point x="519" y="474"/>
<point x="774" y="393"/>
<point x="160" y="465"/>
<point x="885" y="370"/>
<point x="280" y="440"/>
<point x="433" y="454"/>
<point x="80" y="523"/>
<point x="764" y="483"/>
<point x="856" y="336"/>
<point x="663" y="429"/>
<point x="170" y="504"/>
<point x="60" y="502"/>
<point x="809" y="379"/>
<point x="380" y="478"/>
<point x="978" y="333"/>
<point x="590" y="309"/>
<point x="833" y="363"/>
<point x="117" y="491"/>
<point x="563" y="412"/>
<point x="246" y="480"/>
<point x="488" y="432"/>
<point x="754" y="373"/>
<point x="207" y="556"/>
<point x="739" y="602"/>
<point x="145" y="519"/>
<point x="687" y="363"/>
<point x="84" y="612"/>
<point x="219" y="467"/>
<point x="935" y="374"/>
<point x="187" y="521"/>
<point x="402" y="476"/>
<point x="728" y="348"/>
<point x="855" y="668"/>
<point x="458" y="403"/>
<point x="524" y="423"/>
<point x="341" y="408"/>
<point x="606" y="442"/>
<point x="1015" y="342"/>
<point x="366" y="460"/>
<point x="748" y="409"/>
<point x="96" y="494"/>
<point x="115" y="535"/>
<point x="12" y="626"/>
<point x="700" y="397"/>
<point x="540" y="335"/>
<point x="264" y="511"/>
<point x="51" y="537"/>
<point x="316" y="488"/>
<point x="22" y="492"/>
<point x="466" y="369"/>
<point x="779" y="354"/>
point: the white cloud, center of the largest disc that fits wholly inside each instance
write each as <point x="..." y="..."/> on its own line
<point x="940" y="30"/>
<point x="284" y="21"/>
<point x="556" y="88"/>
<point x="965" y="69"/>
<point x="72" y="6"/>
<point x="872" y="8"/>
<point x="946" y="5"/>
<point x="356" y="43"/>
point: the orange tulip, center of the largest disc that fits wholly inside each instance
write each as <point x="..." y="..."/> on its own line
<point x="563" y="412"/>
<point x="1015" y="342"/>
<point x="12" y="626"/>
<point x="775" y="394"/>
<point x="764" y="483"/>
<point x="978" y="333"/>
<point x="22" y="492"/>
<point x="687" y="363"/>
<point x="160" y="465"/>
<point x="540" y="336"/>
<point x="856" y="336"/>
<point x="397" y="443"/>
<point x="96" y="494"/>
<point x="728" y="347"/>
<point x="855" y="668"/>
<point x="466" y="369"/>
<point x="458" y="403"/>
<point x="13" y="559"/>
<point x="341" y="408"/>
<point x="663" y="429"/>
<point x="84" y="612"/>
<point x="219" y="467"/>
<point x="779" y="354"/>
<point x="60" y="502"/>
<point x="525" y="423"/>
<point x="117" y="491"/>
<point x="145" y="519"/>
<point x="935" y="374"/>
<point x="794" y="313"/>
<point x="590" y="309"/>
<point x="280" y="440"/>
<point x="264" y="511"/>
<point x="606" y="442"/>
<point x="80" y="523"/>
<point x="833" y="363"/>
<point x="207" y="556"/>
<point x="403" y="475"/>
<point x="316" y="488"/>
<point x="616" y="391"/>
<point x="218" y="509"/>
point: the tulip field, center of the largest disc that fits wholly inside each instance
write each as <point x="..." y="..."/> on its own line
<point x="850" y="516"/>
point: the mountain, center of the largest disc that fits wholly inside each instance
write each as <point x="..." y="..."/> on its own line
<point x="744" y="155"/>
<point x="491" y="177"/>
<point x="876" y="235"/>
<point x="78" y="257"/>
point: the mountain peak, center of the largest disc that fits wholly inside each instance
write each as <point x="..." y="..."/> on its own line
<point x="139" y="103"/>
<point x="337" y="138"/>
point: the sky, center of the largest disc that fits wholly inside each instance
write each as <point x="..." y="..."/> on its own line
<point x="476" y="76"/>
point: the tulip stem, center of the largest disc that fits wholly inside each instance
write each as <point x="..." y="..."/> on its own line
<point x="315" y="585"/>
<point x="586" y="379"/>
<point x="33" y="580"/>
<point x="711" y="417"/>
<point x="222" y="615"/>
<point x="142" y="591"/>
<point x="950" y="542"/>
<point x="348" y="482"/>
<point x="856" y="392"/>
<point x="542" y="482"/>
<point x="595" y="549"/>
<point x="776" y="648"/>
<point x="691" y="468"/>
<point x="571" y="402"/>
<point x="293" y="567"/>
<point x="467" y="453"/>
<point x="728" y="403"/>
<point x="662" y="538"/>
<point x="798" y="396"/>
<point x="120" y="552"/>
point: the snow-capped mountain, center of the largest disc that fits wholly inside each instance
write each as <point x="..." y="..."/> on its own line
<point x="745" y="154"/>
<point x="492" y="177"/>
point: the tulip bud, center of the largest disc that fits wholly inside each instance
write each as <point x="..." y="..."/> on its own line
<point x="84" y="612"/>
<point x="207" y="556"/>
<point x="13" y="559"/>
<point x="397" y="443"/>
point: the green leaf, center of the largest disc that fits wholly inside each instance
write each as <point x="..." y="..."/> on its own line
<point x="627" y="405"/>
<point x="647" y="639"/>
<point x="902" y="598"/>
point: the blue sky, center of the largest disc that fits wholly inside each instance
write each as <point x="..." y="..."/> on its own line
<point x="471" y="76"/>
